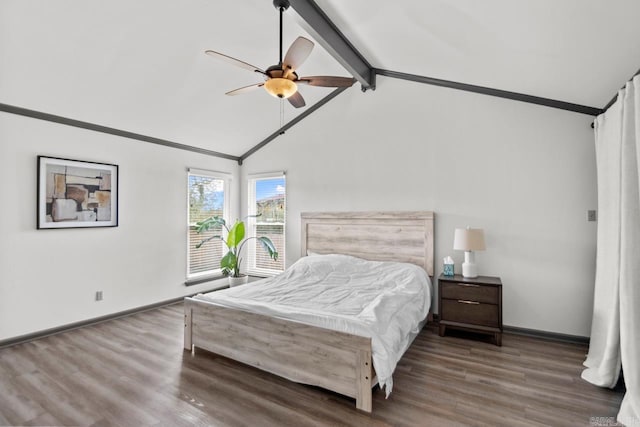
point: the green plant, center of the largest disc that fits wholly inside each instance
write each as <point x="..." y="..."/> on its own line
<point x="235" y="241"/>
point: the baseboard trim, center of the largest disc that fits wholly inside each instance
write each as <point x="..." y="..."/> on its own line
<point x="536" y="333"/>
<point x="75" y="325"/>
<point x="553" y="336"/>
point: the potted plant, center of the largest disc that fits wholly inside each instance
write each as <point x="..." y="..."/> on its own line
<point x="235" y="241"/>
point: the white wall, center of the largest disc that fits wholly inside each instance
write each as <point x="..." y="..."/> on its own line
<point x="524" y="173"/>
<point x="48" y="278"/>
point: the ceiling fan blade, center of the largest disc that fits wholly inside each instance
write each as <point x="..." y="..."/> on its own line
<point x="244" y="89"/>
<point x="297" y="54"/>
<point x="233" y="61"/>
<point x="327" y="81"/>
<point x="297" y="100"/>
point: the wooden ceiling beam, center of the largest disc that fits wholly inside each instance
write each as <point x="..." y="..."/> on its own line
<point x="325" y="32"/>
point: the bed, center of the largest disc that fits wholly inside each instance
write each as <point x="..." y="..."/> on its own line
<point x="300" y="350"/>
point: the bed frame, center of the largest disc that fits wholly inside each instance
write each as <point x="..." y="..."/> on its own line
<point x="304" y="353"/>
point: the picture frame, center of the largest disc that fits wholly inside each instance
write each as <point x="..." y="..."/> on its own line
<point x="76" y="193"/>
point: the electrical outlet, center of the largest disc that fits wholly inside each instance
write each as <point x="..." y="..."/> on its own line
<point x="592" y="215"/>
<point x="98" y="295"/>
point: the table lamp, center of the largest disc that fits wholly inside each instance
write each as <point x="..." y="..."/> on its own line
<point x="469" y="240"/>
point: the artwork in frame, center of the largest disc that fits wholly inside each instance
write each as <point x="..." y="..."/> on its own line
<point x="76" y="194"/>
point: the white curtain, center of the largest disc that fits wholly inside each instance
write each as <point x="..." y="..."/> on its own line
<point x="615" y="330"/>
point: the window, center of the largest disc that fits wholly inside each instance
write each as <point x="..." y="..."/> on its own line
<point x="266" y="199"/>
<point x="208" y="196"/>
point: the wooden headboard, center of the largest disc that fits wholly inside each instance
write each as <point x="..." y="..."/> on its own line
<point x="376" y="236"/>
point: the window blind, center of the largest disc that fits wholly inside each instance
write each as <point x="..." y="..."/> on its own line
<point x="207" y="198"/>
<point x="267" y="199"/>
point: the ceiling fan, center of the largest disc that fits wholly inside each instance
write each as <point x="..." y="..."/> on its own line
<point x="281" y="80"/>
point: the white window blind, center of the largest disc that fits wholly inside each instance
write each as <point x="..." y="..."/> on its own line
<point x="267" y="198"/>
<point x="207" y="197"/>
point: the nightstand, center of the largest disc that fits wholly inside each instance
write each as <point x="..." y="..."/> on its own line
<point x="471" y="304"/>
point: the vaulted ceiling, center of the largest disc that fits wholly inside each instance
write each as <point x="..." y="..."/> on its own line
<point x="140" y="65"/>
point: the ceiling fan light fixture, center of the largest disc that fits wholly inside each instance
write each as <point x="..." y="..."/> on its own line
<point x="280" y="88"/>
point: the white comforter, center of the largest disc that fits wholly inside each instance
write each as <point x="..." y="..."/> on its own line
<point x="383" y="300"/>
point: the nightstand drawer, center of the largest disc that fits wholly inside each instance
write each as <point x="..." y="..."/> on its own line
<point x="468" y="311"/>
<point x="469" y="292"/>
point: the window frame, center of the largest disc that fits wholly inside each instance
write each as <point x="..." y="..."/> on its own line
<point x="251" y="269"/>
<point x="225" y="177"/>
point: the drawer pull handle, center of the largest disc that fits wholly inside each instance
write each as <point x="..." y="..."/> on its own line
<point x="464" y="301"/>
<point x="468" y="285"/>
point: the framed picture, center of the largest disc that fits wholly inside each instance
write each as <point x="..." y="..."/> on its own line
<point x="76" y="194"/>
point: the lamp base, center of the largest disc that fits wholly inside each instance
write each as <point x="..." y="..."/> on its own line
<point x="469" y="267"/>
<point x="469" y="270"/>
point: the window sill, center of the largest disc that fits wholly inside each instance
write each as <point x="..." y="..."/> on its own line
<point x="199" y="280"/>
<point x="262" y="273"/>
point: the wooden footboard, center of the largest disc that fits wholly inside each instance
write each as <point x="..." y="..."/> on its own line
<point x="302" y="353"/>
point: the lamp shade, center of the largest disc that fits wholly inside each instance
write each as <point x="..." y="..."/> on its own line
<point x="280" y="88"/>
<point x="469" y="239"/>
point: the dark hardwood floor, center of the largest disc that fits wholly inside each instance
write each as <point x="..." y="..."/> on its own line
<point x="132" y="371"/>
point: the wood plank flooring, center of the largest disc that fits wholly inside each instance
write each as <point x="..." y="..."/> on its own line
<point x="132" y="371"/>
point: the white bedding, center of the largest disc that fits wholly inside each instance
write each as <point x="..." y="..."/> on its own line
<point x="386" y="301"/>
